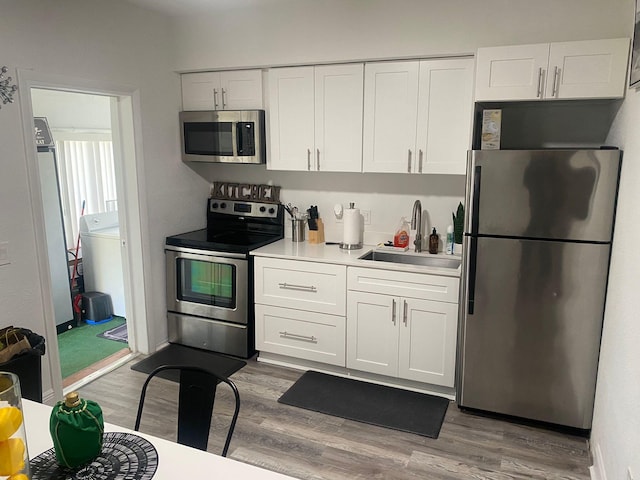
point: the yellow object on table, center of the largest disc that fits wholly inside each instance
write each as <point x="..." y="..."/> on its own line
<point x="11" y="456"/>
<point x="14" y="459"/>
<point x="10" y="421"/>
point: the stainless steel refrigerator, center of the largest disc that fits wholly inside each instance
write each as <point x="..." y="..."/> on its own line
<point x="537" y="240"/>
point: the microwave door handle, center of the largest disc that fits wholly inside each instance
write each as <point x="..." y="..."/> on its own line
<point x="234" y="139"/>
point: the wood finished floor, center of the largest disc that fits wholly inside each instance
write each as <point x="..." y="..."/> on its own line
<point x="310" y="445"/>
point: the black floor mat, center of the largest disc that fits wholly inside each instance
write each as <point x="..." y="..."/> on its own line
<point x="180" y="355"/>
<point x="119" y="334"/>
<point x="369" y="403"/>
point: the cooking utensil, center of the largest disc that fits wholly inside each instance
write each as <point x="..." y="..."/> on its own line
<point x="289" y="208"/>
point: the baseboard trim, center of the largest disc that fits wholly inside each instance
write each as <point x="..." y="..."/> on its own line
<point x="596" y="471"/>
<point x="301" y="364"/>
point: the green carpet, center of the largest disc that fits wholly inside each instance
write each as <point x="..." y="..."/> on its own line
<point x="80" y="348"/>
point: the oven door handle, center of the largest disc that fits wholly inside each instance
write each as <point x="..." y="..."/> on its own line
<point x="204" y="253"/>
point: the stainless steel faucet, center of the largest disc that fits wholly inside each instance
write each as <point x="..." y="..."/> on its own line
<point x="416" y="224"/>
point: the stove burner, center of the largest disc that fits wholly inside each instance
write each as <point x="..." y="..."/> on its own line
<point x="229" y="231"/>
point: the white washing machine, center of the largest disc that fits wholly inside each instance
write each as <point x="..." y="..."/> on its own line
<point x="102" y="257"/>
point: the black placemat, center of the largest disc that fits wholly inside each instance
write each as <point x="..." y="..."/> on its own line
<point x="174" y="354"/>
<point x="124" y="456"/>
<point x="380" y="405"/>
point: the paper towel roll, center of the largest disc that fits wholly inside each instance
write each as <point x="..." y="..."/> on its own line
<point x="351" y="223"/>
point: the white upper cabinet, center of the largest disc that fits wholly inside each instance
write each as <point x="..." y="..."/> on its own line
<point x="338" y="117"/>
<point x="316" y="118"/>
<point x="390" y="115"/>
<point x="418" y="116"/>
<point x="565" y="70"/>
<point x="290" y="109"/>
<point x="445" y="116"/>
<point x="232" y="90"/>
<point x="589" y="69"/>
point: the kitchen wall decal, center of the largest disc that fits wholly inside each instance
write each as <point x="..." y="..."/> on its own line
<point x="634" y="76"/>
<point x="245" y="191"/>
<point x="6" y="89"/>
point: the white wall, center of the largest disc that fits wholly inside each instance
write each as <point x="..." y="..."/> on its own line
<point x="387" y="196"/>
<point x="72" y="111"/>
<point x="111" y="43"/>
<point x="308" y="31"/>
<point x="616" y="423"/>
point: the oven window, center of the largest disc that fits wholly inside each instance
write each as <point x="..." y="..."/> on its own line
<point x="208" y="138"/>
<point x="208" y="283"/>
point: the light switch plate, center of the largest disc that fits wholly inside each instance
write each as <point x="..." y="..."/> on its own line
<point x="366" y="214"/>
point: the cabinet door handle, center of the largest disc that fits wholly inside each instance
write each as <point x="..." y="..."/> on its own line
<point x="292" y="286"/>
<point x="308" y="159"/>
<point x="393" y="310"/>
<point x="215" y="99"/>
<point x="223" y="104"/>
<point x="420" y="161"/>
<point x="295" y="336"/>
<point x="318" y="159"/>
<point x="404" y="313"/>
<point x="556" y="72"/>
<point x="409" y="161"/>
<point x="539" y="93"/>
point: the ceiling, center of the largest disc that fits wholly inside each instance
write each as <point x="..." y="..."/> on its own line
<point x="195" y="7"/>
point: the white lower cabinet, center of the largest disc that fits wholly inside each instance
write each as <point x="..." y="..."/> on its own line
<point x="401" y="336"/>
<point x="300" y="309"/>
<point x="372" y="333"/>
<point x="401" y="325"/>
<point x="301" y="334"/>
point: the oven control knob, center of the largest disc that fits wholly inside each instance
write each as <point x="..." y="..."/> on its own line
<point x="272" y="210"/>
<point x="223" y="205"/>
<point x="263" y="209"/>
<point x="214" y="205"/>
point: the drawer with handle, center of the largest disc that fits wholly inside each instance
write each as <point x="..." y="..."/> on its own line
<point x="300" y="334"/>
<point x="318" y="287"/>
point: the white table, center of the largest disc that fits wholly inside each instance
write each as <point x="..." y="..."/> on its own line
<point x="175" y="460"/>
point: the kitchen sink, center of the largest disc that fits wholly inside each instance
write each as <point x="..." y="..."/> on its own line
<point x="425" y="261"/>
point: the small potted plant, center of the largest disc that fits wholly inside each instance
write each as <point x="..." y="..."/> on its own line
<point x="458" y="229"/>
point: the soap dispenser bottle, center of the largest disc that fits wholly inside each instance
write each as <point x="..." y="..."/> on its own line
<point x="433" y="241"/>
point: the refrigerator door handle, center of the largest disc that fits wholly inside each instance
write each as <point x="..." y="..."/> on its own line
<point x="471" y="287"/>
<point x="473" y="239"/>
<point x="475" y="200"/>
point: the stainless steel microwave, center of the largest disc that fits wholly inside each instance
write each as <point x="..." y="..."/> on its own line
<point x="227" y="136"/>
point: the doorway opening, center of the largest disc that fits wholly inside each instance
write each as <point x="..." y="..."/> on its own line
<point x="125" y="121"/>
<point x="80" y="201"/>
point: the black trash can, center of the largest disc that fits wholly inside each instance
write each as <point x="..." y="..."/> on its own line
<point x="28" y="367"/>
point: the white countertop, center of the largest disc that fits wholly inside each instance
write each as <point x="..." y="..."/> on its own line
<point x="175" y="461"/>
<point x="319" y="252"/>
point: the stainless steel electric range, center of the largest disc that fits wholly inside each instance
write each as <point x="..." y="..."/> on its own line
<point x="210" y="276"/>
